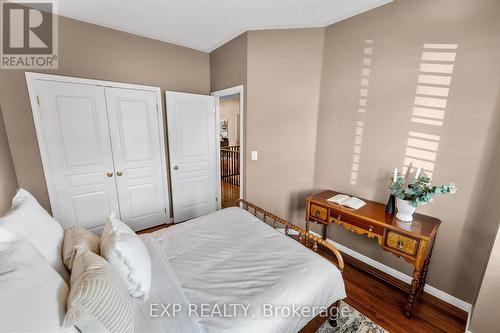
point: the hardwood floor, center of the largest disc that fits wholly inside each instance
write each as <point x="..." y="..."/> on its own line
<point x="153" y="229"/>
<point x="230" y="194"/>
<point x="384" y="303"/>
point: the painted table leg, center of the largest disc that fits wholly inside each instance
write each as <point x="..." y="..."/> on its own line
<point x="423" y="279"/>
<point x="324" y="232"/>
<point x="307" y="229"/>
<point x="415" y="284"/>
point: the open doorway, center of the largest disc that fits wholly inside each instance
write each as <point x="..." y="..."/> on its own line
<point x="231" y="143"/>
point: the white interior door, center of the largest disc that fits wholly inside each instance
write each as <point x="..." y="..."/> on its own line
<point x="137" y="152"/>
<point x="76" y="138"/>
<point x="192" y="136"/>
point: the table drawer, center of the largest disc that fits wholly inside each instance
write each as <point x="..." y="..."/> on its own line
<point x="356" y="221"/>
<point x="402" y="243"/>
<point x="321" y="213"/>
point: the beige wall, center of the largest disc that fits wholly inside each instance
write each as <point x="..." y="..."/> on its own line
<point x="8" y="180"/>
<point x="283" y="84"/>
<point x="228" y="64"/>
<point x="228" y="68"/>
<point x="91" y="51"/>
<point x="485" y="310"/>
<point x="399" y="31"/>
<point x="283" y="123"/>
<point x="485" y="315"/>
<point x="229" y="109"/>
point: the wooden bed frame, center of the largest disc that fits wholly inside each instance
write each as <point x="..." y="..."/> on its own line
<point x="304" y="238"/>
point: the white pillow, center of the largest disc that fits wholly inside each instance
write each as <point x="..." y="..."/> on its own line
<point x="28" y="219"/>
<point x="32" y="294"/>
<point x="128" y="255"/>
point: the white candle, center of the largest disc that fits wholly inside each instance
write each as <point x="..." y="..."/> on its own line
<point x="395" y="175"/>
<point x="418" y="173"/>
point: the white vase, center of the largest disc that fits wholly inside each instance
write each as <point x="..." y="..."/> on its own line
<point x="405" y="210"/>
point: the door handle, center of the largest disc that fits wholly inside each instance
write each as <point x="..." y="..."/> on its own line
<point x="109" y="174"/>
<point x="119" y="173"/>
<point x="176" y="167"/>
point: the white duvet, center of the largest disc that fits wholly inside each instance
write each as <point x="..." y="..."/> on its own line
<point x="230" y="272"/>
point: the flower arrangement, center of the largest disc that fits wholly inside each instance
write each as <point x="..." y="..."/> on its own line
<point x="420" y="191"/>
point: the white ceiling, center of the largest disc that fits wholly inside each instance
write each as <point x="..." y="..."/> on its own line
<point x="205" y="25"/>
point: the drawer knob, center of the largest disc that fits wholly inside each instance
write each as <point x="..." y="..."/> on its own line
<point x="316" y="213"/>
<point x="370" y="228"/>
<point x="339" y="217"/>
<point x="400" y="244"/>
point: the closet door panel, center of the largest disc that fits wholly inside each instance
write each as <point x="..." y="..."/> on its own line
<point x="76" y="138"/>
<point x="135" y="134"/>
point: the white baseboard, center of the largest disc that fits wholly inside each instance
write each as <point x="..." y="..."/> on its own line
<point x="401" y="276"/>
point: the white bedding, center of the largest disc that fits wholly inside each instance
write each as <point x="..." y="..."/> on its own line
<point x="230" y="257"/>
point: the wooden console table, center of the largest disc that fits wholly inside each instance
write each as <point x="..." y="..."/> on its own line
<point x="413" y="243"/>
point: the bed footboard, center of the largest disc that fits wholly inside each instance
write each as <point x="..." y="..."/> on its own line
<point x="304" y="236"/>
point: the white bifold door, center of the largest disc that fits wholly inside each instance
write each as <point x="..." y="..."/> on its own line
<point x="192" y="136"/>
<point x="103" y="151"/>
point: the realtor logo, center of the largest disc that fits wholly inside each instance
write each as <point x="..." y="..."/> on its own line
<point x="29" y="34"/>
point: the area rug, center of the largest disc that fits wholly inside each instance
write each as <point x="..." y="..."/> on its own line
<point x="353" y="322"/>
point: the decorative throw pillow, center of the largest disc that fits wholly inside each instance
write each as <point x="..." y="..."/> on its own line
<point x="127" y="253"/>
<point x="32" y="294"/>
<point x="28" y="219"/>
<point x="75" y="238"/>
<point x="98" y="300"/>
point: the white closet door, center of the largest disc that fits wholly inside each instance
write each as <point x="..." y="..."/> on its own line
<point x="192" y="140"/>
<point x="76" y="138"/>
<point x="135" y="136"/>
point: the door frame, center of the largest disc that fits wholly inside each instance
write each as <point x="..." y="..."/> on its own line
<point x="222" y="93"/>
<point x="35" y="107"/>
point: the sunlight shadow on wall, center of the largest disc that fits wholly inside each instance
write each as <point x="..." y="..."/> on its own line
<point x="431" y="98"/>
<point x="362" y="105"/>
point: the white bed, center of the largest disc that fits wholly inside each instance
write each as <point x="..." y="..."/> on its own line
<point x="231" y="257"/>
